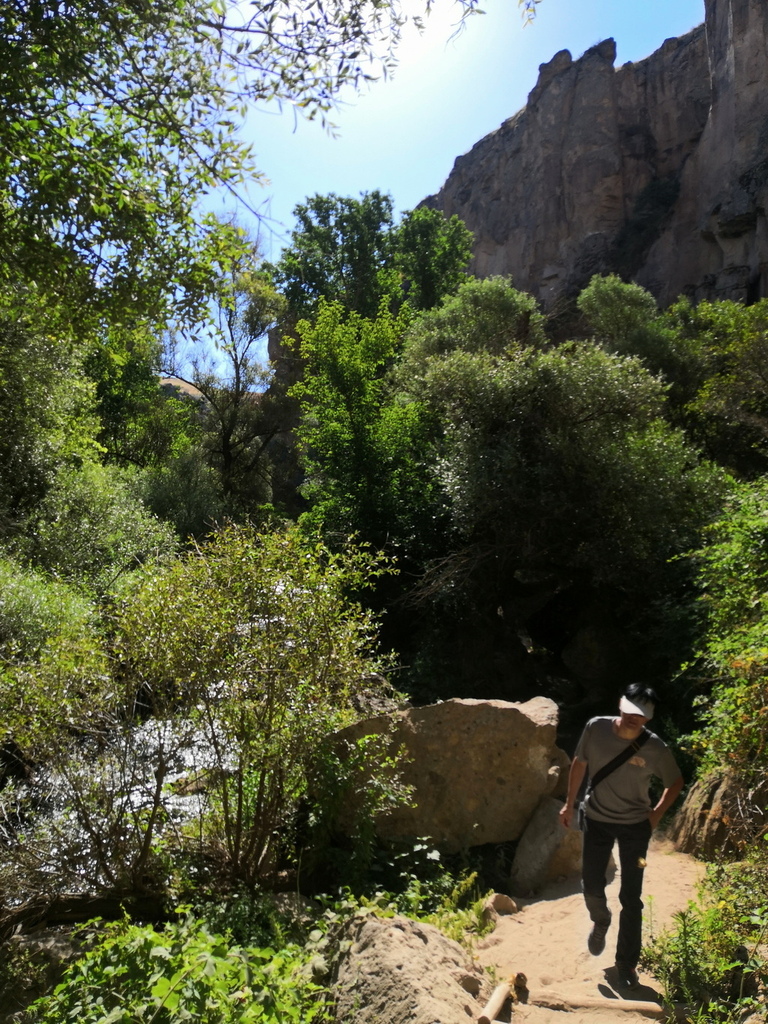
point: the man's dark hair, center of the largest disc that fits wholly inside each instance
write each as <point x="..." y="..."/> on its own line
<point x="642" y="692"/>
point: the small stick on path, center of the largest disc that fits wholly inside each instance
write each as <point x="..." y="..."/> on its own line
<point x="499" y="996"/>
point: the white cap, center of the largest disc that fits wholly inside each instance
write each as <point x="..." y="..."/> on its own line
<point x="637" y="707"/>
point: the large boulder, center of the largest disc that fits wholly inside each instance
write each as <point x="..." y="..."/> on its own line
<point x="719" y="816"/>
<point x="398" y="971"/>
<point x="478" y="769"/>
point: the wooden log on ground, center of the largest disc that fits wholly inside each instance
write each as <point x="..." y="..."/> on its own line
<point x="568" y="1004"/>
<point x="494" y="1005"/>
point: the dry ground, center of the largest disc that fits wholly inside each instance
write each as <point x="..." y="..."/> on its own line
<point x="547" y="941"/>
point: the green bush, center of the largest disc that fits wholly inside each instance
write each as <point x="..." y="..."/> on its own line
<point x="183" y="972"/>
<point x="733" y="573"/>
<point x="226" y="672"/>
<point x="186" y="493"/>
<point x="34" y="607"/>
<point x="714" y="954"/>
<point x="484" y="316"/>
<point x="616" y="310"/>
<point x="560" y="462"/>
<point x="91" y="527"/>
<point x="252" y="638"/>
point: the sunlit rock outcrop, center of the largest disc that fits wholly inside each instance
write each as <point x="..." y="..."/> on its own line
<point x="657" y="169"/>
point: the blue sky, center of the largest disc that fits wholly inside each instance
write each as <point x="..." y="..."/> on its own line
<point x="402" y="135"/>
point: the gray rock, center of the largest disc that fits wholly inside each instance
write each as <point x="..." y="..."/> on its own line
<point x="546" y="850"/>
<point x="549" y="195"/>
<point x="398" y="971"/>
<point x="720" y="815"/>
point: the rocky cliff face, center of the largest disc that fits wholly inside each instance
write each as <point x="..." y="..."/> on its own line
<point x="658" y="170"/>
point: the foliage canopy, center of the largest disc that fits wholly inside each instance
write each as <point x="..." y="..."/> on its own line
<point x="350" y="251"/>
<point x="116" y="117"/>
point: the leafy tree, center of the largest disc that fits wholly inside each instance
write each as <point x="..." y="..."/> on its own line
<point x="340" y="250"/>
<point x="141" y="424"/>
<point x="240" y="416"/>
<point x="184" y="492"/>
<point x="616" y="310"/>
<point x="624" y="319"/>
<point x="115" y="118"/>
<point x="712" y="355"/>
<point x="49" y="415"/>
<point x="488" y="315"/>
<point x="363" y="436"/>
<point x="730" y="409"/>
<point x="431" y="253"/>
<point x="359" y="443"/>
<point x="559" y="462"/>
<point x="350" y="251"/>
<point x="563" y="487"/>
<point x="118" y="116"/>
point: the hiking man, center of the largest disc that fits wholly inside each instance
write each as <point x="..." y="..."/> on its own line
<point x="617" y="808"/>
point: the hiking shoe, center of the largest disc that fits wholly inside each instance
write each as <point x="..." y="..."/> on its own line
<point x="627" y="976"/>
<point x="596" y="940"/>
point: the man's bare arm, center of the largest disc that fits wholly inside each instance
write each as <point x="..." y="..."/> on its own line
<point x="665" y="801"/>
<point x="575" y="779"/>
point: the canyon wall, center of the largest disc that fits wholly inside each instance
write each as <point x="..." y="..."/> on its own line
<point x="657" y="170"/>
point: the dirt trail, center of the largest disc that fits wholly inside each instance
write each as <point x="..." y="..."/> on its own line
<point x="546" y="940"/>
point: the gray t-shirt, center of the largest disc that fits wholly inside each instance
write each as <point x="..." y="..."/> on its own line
<point x="623" y="797"/>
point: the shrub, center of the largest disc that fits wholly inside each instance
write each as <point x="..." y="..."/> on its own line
<point x="183" y="972"/>
<point x="186" y="493"/>
<point x="255" y="640"/>
<point x="226" y="672"/>
<point x="733" y="572"/>
<point x="91" y="527"/>
<point x="34" y="607"/>
<point x="712" y="955"/>
<point x="616" y="310"/>
<point x="484" y="316"/>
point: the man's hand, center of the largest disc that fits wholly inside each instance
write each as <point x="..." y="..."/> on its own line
<point x="655" y="817"/>
<point x="566" y="815"/>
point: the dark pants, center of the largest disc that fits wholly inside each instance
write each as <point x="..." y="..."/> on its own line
<point x="599" y="837"/>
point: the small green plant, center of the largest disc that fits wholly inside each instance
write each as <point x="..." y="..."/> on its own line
<point x="712" y="956"/>
<point x="336" y="831"/>
<point x="183" y="972"/>
<point x="23" y="975"/>
<point x="250" y="918"/>
<point x="692" y="959"/>
<point x="460" y="914"/>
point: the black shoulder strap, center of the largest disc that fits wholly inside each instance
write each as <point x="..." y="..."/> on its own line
<point x="625" y="755"/>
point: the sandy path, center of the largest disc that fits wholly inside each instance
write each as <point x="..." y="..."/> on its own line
<point x="546" y="940"/>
